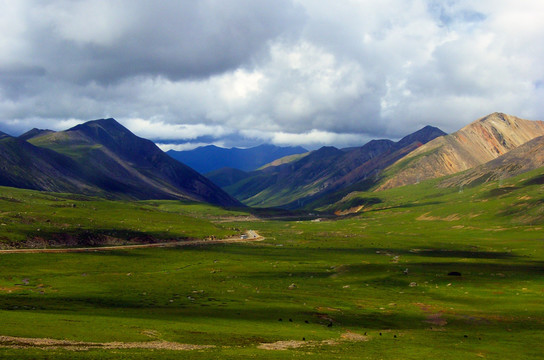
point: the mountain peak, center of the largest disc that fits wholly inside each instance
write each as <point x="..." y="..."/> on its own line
<point x="35" y="132"/>
<point x="108" y="124"/>
<point x="327" y="150"/>
<point x="102" y="157"/>
<point x="113" y="135"/>
<point x="497" y="119"/>
<point x="495" y="116"/>
<point x="423" y="136"/>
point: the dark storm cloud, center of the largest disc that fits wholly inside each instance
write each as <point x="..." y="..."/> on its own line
<point x="107" y="41"/>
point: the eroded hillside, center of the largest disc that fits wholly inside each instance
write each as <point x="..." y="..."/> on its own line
<point x="475" y="144"/>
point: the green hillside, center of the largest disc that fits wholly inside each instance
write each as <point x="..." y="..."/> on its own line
<point x="33" y="218"/>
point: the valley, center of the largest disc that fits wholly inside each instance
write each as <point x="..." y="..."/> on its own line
<point x="445" y="267"/>
<point x="256" y="179"/>
<point x="459" y="270"/>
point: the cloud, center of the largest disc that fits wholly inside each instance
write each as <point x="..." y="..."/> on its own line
<point x="159" y="130"/>
<point x="289" y="71"/>
<point x="105" y="41"/>
<point x="311" y="139"/>
<point x="186" y="146"/>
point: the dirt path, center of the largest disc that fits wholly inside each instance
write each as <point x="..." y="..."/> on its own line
<point x="249" y="236"/>
<point x="44" y="343"/>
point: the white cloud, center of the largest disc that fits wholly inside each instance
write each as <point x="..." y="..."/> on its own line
<point x="186" y="146"/>
<point x="161" y="130"/>
<point x="312" y="139"/>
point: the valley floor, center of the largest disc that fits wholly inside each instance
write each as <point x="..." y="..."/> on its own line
<point x="451" y="275"/>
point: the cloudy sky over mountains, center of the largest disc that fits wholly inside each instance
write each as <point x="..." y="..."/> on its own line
<point x="288" y="72"/>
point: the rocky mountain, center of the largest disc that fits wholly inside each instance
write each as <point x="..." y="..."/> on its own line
<point x="103" y="158"/>
<point x="296" y="183"/>
<point x="526" y="157"/>
<point x="209" y="158"/>
<point x="475" y="144"/>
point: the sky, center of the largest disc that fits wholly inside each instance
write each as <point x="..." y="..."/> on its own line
<point x="288" y="72"/>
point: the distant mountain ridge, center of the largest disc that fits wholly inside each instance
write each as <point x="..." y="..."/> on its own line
<point x="102" y="158"/>
<point x="477" y="143"/>
<point x="209" y="158"/>
<point x="296" y="183"/>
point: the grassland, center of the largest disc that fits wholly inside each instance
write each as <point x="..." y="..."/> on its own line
<point x="32" y="217"/>
<point x="373" y="285"/>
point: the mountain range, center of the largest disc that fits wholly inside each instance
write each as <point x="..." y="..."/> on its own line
<point x="102" y="158"/>
<point x="292" y="184"/>
<point x="205" y="159"/>
<point x="495" y="146"/>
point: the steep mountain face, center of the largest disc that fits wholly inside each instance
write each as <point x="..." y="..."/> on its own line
<point x="294" y="184"/>
<point x="104" y="158"/>
<point x="209" y="158"/>
<point x="475" y="144"/>
<point x="527" y="157"/>
<point x="27" y="166"/>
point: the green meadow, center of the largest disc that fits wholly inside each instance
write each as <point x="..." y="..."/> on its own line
<point x="419" y="272"/>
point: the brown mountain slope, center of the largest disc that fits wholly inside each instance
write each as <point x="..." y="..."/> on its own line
<point x="526" y="157"/>
<point x="475" y="144"/>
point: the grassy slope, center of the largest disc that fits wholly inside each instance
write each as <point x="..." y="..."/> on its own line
<point x="28" y="214"/>
<point x="285" y="160"/>
<point x="350" y="271"/>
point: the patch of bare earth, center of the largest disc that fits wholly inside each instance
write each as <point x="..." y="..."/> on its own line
<point x="348" y="336"/>
<point x="351" y="336"/>
<point x="285" y="345"/>
<point x="426" y="217"/>
<point x="352" y="210"/>
<point x="10" y="289"/>
<point x="44" y="343"/>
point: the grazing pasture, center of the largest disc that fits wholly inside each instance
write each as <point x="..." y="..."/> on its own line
<point x="421" y="272"/>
